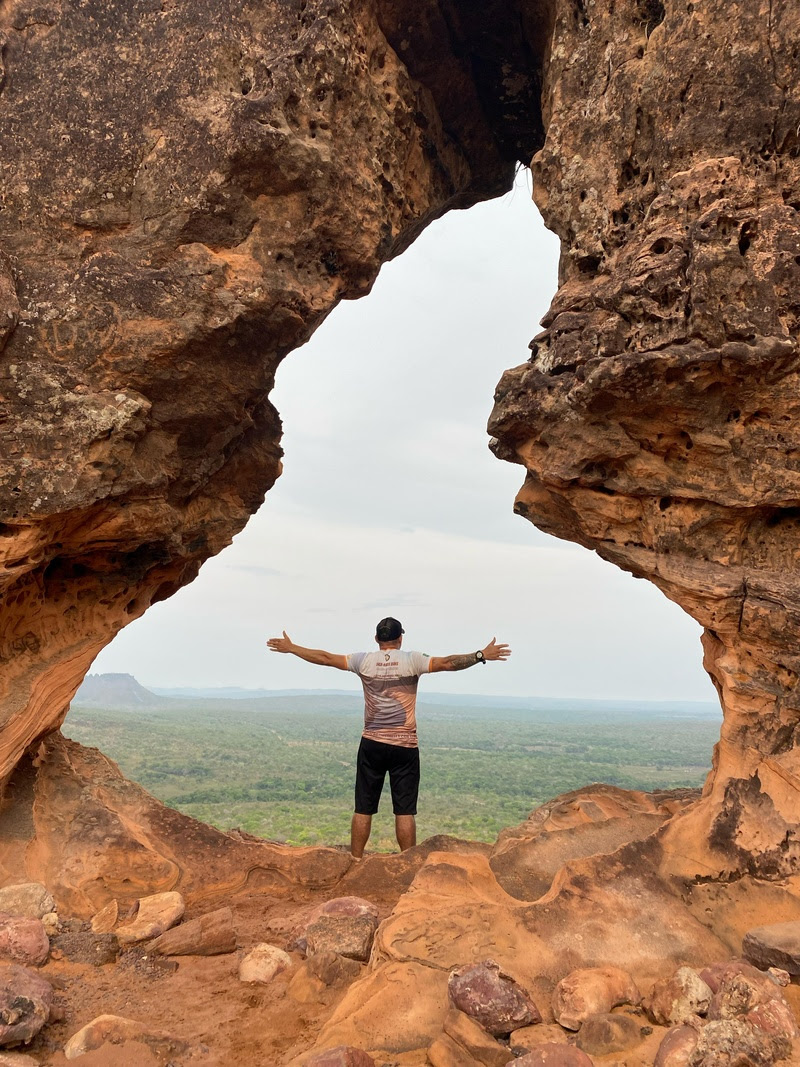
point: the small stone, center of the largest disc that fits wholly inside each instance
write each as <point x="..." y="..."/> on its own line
<point x="676" y="999"/>
<point x="155" y="915"/>
<point x="25" y="1003"/>
<point x="603" y="1034"/>
<point x="553" y="1055"/>
<point x="779" y="976"/>
<point x="23" y="940"/>
<point x="17" y="1059"/>
<point x="106" y="919"/>
<point x="341" y="1056"/>
<point x="318" y="977"/>
<point x="776" y="1020"/>
<point x="470" y="1036"/>
<point x="263" y="963"/>
<point x="116" y="1029"/>
<point x="484" y="992"/>
<point x="775" y="945"/>
<point x="592" y="991"/>
<point x="731" y="1043"/>
<point x="677" y="1048"/>
<point x="528" y="1038"/>
<point x="347" y="935"/>
<point x="50" y="923"/>
<point x="31" y="899"/>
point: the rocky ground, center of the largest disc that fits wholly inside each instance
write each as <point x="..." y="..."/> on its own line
<point x="563" y="942"/>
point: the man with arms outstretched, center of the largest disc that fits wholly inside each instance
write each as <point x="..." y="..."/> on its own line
<point x="389" y="741"/>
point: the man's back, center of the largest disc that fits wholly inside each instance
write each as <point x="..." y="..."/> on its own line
<point x="390" y="677"/>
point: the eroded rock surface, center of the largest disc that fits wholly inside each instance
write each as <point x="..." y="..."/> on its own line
<point x="188" y="190"/>
<point x="657" y="417"/>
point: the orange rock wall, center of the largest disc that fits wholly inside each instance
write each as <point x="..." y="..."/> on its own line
<point x="658" y="414"/>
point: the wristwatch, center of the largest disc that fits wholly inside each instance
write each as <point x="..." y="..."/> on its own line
<point x="480" y="658"/>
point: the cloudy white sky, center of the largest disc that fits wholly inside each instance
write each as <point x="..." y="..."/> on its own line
<point x="391" y="504"/>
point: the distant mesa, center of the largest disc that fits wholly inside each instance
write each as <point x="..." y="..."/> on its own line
<point x="115" y="691"/>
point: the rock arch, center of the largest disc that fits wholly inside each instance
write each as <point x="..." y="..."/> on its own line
<point x="189" y="189"/>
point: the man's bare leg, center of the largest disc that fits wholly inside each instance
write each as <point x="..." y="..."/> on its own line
<point x="405" y="828"/>
<point x="360" y="829"/>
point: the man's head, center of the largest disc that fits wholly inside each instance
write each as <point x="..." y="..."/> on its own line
<point x="389" y="632"/>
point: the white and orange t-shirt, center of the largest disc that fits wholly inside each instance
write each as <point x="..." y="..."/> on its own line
<point x="390" y="677"/>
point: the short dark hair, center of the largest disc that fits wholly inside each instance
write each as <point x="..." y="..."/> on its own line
<point x="388" y="630"/>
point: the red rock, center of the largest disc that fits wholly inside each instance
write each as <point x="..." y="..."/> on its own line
<point x="677" y="1048"/>
<point x="554" y="1055"/>
<point x="740" y="988"/>
<point x="341" y="1056"/>
<point x="354" y="907"/>
<point x="23" y="940"/>
<point x="676" y="999"/>
<point x="347" y="935"/>
<point x="592" y="991"/>
<point x="25" y="1003"/>
<point x="482" y="991"/>
<point x="775" y="1019"/>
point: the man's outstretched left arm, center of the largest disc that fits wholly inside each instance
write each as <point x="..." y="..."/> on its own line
<point x="310" y="655"/>
<point x="493" y="651"/>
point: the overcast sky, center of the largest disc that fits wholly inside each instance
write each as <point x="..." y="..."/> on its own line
<point x="391" y="504"/>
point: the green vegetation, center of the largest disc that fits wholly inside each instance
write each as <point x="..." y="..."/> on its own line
<point x="283" y="767"/>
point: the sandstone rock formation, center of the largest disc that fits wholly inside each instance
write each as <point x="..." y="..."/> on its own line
<point x="656" y="415"/>
<point x="187" y="192"/>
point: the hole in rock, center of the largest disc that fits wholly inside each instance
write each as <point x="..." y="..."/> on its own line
<point x="390" y="503"/>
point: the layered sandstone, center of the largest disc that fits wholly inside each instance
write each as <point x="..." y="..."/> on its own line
<point x="187" y="190"/>
<point x="658" y="414"/>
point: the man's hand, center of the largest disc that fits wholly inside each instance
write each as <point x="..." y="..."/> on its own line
<point x="493" y="650"/>
<point x="310" y="655"/>
<point x="280" y="644"/>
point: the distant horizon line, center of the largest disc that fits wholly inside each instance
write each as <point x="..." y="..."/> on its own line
<point x="198" y="690"/>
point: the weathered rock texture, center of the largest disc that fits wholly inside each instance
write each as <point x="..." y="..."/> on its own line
<point x="657" y="417"/>
<point x="187" y="190"/>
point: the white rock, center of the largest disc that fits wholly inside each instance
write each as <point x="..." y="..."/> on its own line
<point x="50" y="923"/>
<point x="263" y="963"/>
<point x="30" y="899"/>
<point x="155" y="915"/>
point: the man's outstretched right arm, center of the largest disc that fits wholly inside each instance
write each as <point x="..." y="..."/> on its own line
<point x="310" y="655"/>
<point x="493" y="651"/>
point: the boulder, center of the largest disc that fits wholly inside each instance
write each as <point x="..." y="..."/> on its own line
<point x="31" y="899"/>
<point x="155" y="914"/>
<point x="592" y="991"/>
<point x="553" y="1055"/>
<point x="775" y="945"/>
<point x="731" y="1043"/>
<point x="600" y="1035"/>
<point x="678" y="1046"/>
<point x="263" y="963"/>
<point x="25" y="1003"/>
<point x="347" y="935"/>
<point x="208" y="935"/>
<point x="341" y="1056"/>
<point x="116" y="1029"/>
<point x="352" y="907"/>
<point x="23" y="940"/>
<point x="676" y="999"/>
<point x="484" y="992"/>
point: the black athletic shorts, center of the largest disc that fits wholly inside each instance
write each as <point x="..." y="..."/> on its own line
<point x="376" y="758"/>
